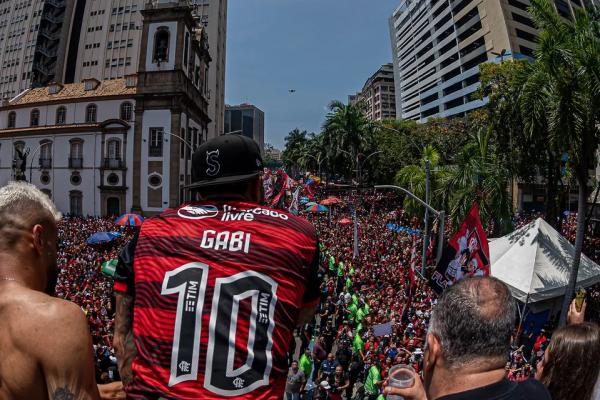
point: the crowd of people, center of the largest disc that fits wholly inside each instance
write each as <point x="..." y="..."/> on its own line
<point x="374" y="311"/>
<point x="81" y="281"/>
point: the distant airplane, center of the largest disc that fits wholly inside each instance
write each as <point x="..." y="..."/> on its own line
<point x="292" y="90"/>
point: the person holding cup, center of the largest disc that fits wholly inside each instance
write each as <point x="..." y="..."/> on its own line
<point x="466" y="348"/>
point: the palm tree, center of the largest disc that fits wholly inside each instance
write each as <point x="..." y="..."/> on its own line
<point x="413" y="178"/>
<point x="346" y="128"/>
<point x="478" y="176"/>
<point x="567" y="74"/>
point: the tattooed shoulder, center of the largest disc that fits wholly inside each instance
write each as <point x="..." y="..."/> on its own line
<point x="63" y="393"/>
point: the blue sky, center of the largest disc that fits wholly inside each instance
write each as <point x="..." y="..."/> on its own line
<point x="324" y="49"/>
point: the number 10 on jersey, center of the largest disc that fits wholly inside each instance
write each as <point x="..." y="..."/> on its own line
<point x="189" y="283"/>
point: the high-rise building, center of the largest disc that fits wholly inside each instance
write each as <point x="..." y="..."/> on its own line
<point x="103" y="147"/>
<point x="30" y="47"/>
<point x="378" y="94"/>
<point x="104" y="40"/>
<point x="213" y="16"/>
<point x="248" y="120"/>
<point x="438" y="45"/>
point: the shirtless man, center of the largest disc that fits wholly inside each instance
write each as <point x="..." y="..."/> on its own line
<point x="44" y="341"/>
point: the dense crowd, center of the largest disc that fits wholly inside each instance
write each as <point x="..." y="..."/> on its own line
<point x="374" y="308"/>
<point x="81" y="281"/>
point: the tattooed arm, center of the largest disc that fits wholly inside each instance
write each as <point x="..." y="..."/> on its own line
<point x="123" y="341"/>
<point x="65" y="353"/>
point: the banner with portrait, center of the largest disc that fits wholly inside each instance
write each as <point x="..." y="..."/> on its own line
<point x="465" y="255"/>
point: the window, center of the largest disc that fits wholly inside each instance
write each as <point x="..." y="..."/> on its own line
<point x="34" y="119"/>
<point x="12" y="119"/>
<point x="76" y="154"/>
<point x="61" y="115"/>
<point x="114" y="149"/>
<point x="76" y="202"/>
<point x="46" y="154"/>
<point x="186" y="44"/>
<point x="161" y="45"/>
<point x="156" y="142"/>
<point x="90" y="113"/>
<point x="126" y="111"/>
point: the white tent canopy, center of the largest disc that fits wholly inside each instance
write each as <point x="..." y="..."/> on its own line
<point x="535" y="262"/>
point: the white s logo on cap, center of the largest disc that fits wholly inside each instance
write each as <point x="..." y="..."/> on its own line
<point x="212" y="159"/>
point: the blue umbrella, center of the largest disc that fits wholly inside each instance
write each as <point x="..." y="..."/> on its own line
<point x="304" y="200"/>
<point x="103" y="237"/>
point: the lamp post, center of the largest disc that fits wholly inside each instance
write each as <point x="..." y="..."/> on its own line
<point x="350" y="154"/>
<point x="32" y="157"/>
<point x="188" y="145"/>
<point x="319" y="162"/>
<point x="441" y="216"/>
<point x="363" y="163"/>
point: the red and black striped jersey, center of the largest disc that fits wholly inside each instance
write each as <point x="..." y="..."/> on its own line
<point x="218" y="288"/>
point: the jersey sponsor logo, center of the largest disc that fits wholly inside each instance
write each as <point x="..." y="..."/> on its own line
<point x="233" y="214"/>
<point x="212" y="160"/>
<point x="230" y="241"/>
<point x="198" y="212"/>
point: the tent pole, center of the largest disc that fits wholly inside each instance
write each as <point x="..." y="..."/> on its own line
<point x="521" y="317"/>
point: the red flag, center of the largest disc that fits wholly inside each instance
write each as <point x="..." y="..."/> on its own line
<point x="466" y="254"/>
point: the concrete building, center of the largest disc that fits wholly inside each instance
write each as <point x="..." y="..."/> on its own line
<point x="213" y="16"/>
<point x="378" y="94"/>
<point x="30" y="52"/>
<point x="248" y="120"/>
<point x="110" y="146"/>
<point x="438" y="45"/>
<point x="104" y="40"/>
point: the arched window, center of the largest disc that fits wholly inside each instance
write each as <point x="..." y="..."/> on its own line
<point x="90" y="113"/>
<point x="34" y="119"/>
<point x="46" y="154"/>
<point x="76" y="153"/>
<point x="12" y="119"/>
<point x="161" y="45"/>
<point x="126" y="111"/>
<point x="61" y="115"/>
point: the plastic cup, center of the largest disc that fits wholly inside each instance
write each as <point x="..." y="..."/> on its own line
<point x="400" y="376"/>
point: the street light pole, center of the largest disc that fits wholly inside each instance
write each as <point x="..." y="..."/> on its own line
<point x="363" y="163"/>
<point x="32" y="156"/>
<point x="190" y="147"/>
<point x="426" y="230"/>
<point x="441" y="215"/>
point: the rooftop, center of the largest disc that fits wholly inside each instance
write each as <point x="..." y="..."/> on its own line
<point x="75" y="91"/>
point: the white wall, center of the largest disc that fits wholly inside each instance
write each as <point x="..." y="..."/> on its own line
<point x="155" y="119"/>
<point x="76" y="113"/>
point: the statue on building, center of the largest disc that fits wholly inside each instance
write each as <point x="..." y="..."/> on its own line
<point x="20" y="165"/>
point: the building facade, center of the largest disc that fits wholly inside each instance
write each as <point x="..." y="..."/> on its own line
<point x="248" y="120"/>
<point x="30" y="49"/>
<point x="104" y="40"/>
<point x="110" y="146"/>
<point x="378" y="94"/>
<point x="213" y="17"/>
<point x="438" y="45"/>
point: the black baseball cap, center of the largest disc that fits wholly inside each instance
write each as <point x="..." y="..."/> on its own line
<point x="225" y="159"/>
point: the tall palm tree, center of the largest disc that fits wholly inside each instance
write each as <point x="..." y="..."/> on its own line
<point x="413" y="178"/>
<point x="346" y="128"/>
<point x="478" y="176"/>
<point x="567" y="74"/>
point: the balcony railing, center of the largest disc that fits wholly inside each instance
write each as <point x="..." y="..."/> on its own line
<point x="75" y="163"/>
<point x="45" y="163"/>
<point x="113" y="163"/>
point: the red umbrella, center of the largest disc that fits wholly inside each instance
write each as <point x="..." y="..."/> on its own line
<point x="345" y="221"/>
<point x="331" y="200"/>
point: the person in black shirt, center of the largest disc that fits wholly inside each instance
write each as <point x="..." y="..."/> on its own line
<point x="467" y="346"/>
